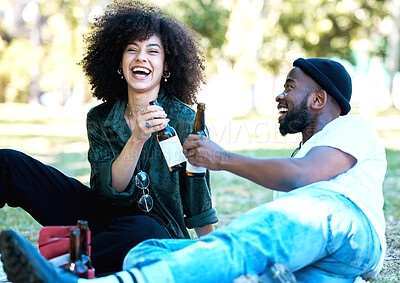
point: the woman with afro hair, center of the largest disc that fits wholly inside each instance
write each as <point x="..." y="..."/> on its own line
<point x="134" y="54"/>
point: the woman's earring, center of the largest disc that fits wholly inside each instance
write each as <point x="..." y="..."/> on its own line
<point x="166" y="75"/>
<point x="119" y="71"/>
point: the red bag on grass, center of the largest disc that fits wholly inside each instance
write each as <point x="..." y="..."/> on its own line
<point x="54" y="245"/>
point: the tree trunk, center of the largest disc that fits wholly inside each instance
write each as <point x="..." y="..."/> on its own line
<point x="34" y="89"/>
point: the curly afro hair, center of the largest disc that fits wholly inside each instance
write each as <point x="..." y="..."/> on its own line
<point x="124" y="22"/>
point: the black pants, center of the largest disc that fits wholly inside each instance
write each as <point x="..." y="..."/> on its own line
<point x="52" y="198"/>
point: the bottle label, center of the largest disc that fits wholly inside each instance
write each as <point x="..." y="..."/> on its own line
<point x="172" y="150"/>
<point x="195" y="169"/>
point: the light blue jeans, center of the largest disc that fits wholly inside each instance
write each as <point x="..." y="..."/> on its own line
<point x="321" y="235"/>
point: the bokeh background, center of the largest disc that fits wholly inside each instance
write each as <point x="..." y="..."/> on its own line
<point x="250" y="46"/>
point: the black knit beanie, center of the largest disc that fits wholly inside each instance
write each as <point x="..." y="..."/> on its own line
<point x="331" y="76"/>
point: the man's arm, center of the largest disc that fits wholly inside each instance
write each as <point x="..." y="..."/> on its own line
<point x="321" y="163"/>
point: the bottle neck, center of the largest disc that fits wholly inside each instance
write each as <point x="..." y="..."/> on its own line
<point x="75" y="250"/>
<point x="199" y="123"/>
<point x="83" y="227"/>
<point x="154" y="102"/>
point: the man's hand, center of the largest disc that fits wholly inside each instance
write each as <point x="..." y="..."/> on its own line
<point x="201" y="151"/>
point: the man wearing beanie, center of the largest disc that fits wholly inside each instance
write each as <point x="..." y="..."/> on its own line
<point x="328" y="227"/>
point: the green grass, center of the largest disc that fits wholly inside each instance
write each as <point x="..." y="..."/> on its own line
<point x="61" y="142"/>
<point x="392" y="185"/>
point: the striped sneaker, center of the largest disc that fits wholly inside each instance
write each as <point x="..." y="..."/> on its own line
<point x="23" y="263"/>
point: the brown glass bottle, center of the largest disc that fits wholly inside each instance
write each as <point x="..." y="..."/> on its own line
<point x="171" y="147"/>
<point x="199" y="129"/>
<point x="75" y="264"/>
<point x="83" y="227"/>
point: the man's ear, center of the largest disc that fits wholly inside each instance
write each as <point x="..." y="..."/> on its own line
<point x="319" y="100"/>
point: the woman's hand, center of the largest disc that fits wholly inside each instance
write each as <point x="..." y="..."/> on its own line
<point x="149" y="120"/>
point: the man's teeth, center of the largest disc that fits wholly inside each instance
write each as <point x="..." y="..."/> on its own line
<point x="143" y="70"/>
<point x="282" y="110"/>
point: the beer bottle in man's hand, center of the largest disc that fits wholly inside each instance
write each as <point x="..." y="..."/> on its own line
<point x="199" y="129"/>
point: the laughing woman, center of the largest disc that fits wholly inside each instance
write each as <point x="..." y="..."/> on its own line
<point x="134" y="54"/>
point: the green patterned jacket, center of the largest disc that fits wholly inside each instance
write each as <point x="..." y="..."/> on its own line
<point x="180" y="202"/>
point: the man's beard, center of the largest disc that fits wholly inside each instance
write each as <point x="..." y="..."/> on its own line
<point x="295" y="122"/>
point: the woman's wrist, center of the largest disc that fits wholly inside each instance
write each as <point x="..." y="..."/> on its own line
<point x="132" y="149"/>
<point x="134" y="142"/>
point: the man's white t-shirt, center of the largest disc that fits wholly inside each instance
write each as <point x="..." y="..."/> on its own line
<point x="363" y="182"/>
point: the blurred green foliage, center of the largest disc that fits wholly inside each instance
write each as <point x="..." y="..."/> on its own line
<point x="317" y="28"/>
<point x="41" y="41"/>
<point x="14" y="75"/>
<point x="209" y="19"/>
<point x="333" y="28"/>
